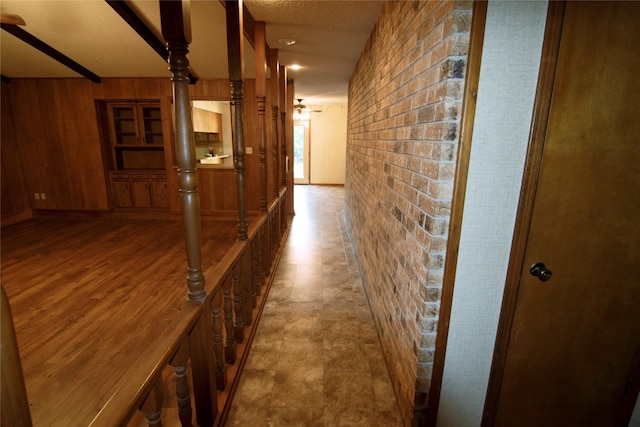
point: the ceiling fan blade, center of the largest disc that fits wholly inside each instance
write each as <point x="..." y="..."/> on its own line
<point x="6" y="18"/>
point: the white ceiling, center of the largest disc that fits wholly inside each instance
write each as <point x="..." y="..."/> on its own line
<point x="329" y="38"/>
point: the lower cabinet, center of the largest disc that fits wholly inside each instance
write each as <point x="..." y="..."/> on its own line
<point x="139" y="190"/>
<point x="158" y="184"/>
<point x="121" y="190"/>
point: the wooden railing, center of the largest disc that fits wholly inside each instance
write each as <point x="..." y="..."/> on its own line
<point x="213" y="332"/>
<point x="237" y="287"/>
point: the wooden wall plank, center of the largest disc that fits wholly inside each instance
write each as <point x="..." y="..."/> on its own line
<point x="55" y="128"/>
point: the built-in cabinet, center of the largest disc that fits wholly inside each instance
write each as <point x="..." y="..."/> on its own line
<point x="137" y="165"/>
<point x="139" y="190"/>
<point x="136" y="135"/>
<point x="206" y="121"/>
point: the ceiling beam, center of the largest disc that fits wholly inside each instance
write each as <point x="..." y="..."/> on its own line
<point x="48" y="50"/>
<point x="125" y="11"/>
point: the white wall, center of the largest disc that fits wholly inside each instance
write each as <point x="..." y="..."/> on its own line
<point x="328" y="145"/>
<point x="508" y="79"/>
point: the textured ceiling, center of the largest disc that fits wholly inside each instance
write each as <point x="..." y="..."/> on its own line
<point x="329" y="38"/>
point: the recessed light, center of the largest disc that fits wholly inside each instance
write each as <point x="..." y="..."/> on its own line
<point x="287" y="42"/>
<point x="295" y="66"/>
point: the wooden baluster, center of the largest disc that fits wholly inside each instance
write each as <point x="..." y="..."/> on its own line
<point x="235" y="54"/>
<point x="216" y="329"/>
<point x="237" y="301"/>
<point x="230" y="345"/>
<point x="256" y="270"/>
<point x="283" y="212"/>
<point x="274" y="230"/>
<point x="183" y="394"/>
<point x="248" y="299"/>
<point x="176" y="30"/>
<point x="265" y="265"/>
<point x="152" y="406"/>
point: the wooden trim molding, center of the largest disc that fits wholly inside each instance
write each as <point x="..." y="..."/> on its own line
<point x="16" y="217"/>
<point x="71" y="213"/>
<point x="474" y="59"/>
<point x="541" y="109"/>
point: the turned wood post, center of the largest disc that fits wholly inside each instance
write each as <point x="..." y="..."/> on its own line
<point x="216" y="326"/>
<point x="183" y="395"/>
<point x="152" y="405"/>
<point x="261" y="94"/>
<point x="235" y="53"/>
<point x="230" y="343"/>
<point x="176" y="30"/>
<point x="283" y="114"/>
<point x="275" y="95"/>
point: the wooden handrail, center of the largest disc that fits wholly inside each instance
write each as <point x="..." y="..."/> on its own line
<point x="141" y="378"/>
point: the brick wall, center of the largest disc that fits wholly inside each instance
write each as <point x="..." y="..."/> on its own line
<point x="405" y="98"/>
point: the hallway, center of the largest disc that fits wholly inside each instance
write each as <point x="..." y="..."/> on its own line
<point x="316" y="358"/>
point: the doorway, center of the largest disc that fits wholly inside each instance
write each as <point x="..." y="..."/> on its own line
<point x="301" y="152"/>
<point x="568" y="341"/>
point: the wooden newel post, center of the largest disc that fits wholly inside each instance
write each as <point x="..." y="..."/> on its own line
<point x="261" y="94"/>
<point x="275" y="94"/>
<point x="176" y="30"/>
<point x="236" y="74"/>
<point x="283" y="114"/>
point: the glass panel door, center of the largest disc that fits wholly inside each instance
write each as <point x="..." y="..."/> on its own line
<point x="152" y="124"/>
<point x="301" y="152"/>
<point x="125" y="125"/>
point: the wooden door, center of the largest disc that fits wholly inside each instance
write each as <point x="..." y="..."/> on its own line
<point x="568" y="347"/>
<point x="140" y="192"/>
<point x="121" y="193"/>
<point x="159" y="193"/>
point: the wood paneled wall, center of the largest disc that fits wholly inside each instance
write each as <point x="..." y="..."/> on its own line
<point x="15" y="202"/>
<point x="50" y="127"/>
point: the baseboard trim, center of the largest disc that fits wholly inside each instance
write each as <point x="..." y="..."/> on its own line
<point x="16" y="217"/>
<point x="72" y="213"/>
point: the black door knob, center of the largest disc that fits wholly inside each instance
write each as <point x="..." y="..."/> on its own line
<point x="539" y="270"/>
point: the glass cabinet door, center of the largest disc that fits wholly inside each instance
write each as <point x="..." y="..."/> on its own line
<point x="151" y="125"/>
<point x="124" y="122"/>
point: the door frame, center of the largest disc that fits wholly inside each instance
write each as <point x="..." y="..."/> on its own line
<point x="428" y="415"/>
<point x="533" y="163"/>
<point x="306" y="151"/>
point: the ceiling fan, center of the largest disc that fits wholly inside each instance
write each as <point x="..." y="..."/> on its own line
<point x="300" y="108"/>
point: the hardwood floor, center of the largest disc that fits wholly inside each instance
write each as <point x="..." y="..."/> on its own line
<point x="87" y="296"/>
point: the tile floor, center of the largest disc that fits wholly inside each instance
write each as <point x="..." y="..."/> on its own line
<point x="316" y="359"/>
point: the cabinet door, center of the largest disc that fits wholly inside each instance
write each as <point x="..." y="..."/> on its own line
<point x="125" y="127"/>
<point x="151" y="125"/>
<point x="121" y="193"/>
<point x="159" y="194"/>
<point x="141" y="193"/>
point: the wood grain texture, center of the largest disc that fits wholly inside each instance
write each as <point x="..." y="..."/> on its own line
<point x="63" y="154"/>
<point x="89" y="297"/>
<point x="15" y="198"/>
